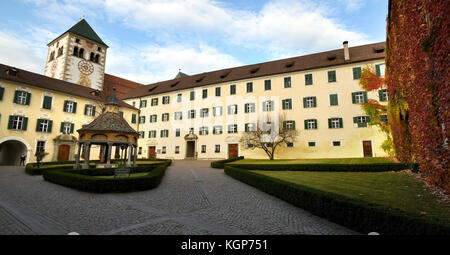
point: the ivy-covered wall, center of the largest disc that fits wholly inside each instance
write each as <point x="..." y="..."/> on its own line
<point x="418" y="81"/>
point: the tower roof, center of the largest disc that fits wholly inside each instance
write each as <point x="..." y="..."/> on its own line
<point x="180" y="75"/>
<point x="112" y="99"/>
<point x="82" y="28"/>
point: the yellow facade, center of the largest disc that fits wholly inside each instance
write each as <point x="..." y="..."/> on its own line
<point x="350" y="135"/>
<point x="34" y="111"/>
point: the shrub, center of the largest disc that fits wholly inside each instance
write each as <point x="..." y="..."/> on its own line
<point x="89" y="180"/>
<point x="352" y="213"/>
<point x="221" y="163"/>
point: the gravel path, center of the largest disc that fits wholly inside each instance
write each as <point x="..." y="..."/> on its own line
<point x="192" y="199"/>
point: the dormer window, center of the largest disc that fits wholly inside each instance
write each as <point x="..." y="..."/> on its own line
<point x="378" y="49"/>
<point x="290" y="64"/>
<point x="200" y="79"/>
<point x="225" y="74"/>
<point x="254" y="70"/>
<point x="11" y="72"/>
<point x="331" y="57"/>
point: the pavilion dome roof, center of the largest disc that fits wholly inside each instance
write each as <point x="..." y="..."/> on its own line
<point x="110" y="122"/>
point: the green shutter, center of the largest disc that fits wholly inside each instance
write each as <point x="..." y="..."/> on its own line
<point x="377" y="67"/>
<point x="315" y="124"/>
<point x="356" y="73"/>
<point x="246" y="108"/>
<point x="304" y="102"/>
<point x="93" y="111"/>
<point x="38" y="125"/>
<point x="329" y="123"/>
<point x="293" y="124"/>
<point x="365" y="97"/>
<point x="314" y="102"/>
<point x="133" y="118"/>
<point x="367" y="118"/>
<point x="2" y="91"/>
<point x="10" y="122"/>
<point x="333" y="99"/>
<point x="354" y="97"/>
<point x="50" y="125"/>
<point x="25" y="123"/>
<point x="341" y="125"/>
<point x="355" y="119"/>
<point x="85" y="109"/>
<point x="47" y="102"/>
<point x="61" y="129"/>
<point x="306" y="124"/>
<point x="74" y="107"/>
<point x="65" y="106"/>
<point x="27" y="102"/>
<point x="16" y="97"/>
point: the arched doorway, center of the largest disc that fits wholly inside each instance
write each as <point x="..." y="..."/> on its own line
<point x="63" y="152"/>
<point x="11" y="149"/>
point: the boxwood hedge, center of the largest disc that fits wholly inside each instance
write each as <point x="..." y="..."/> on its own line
<point x="89" y="180"/>
<point x="372" y="167"/>
<point x="355" y="214"/>
<point x="221" y="163"/>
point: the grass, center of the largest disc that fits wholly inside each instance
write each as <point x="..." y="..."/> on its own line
<point x="397" y="190"/>
<point x="315" y="161"/>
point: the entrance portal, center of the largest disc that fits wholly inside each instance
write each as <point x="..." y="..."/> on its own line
<point x="151" y="152"/>
<point x="233" y="151"/>
<point x="190" y="149"/>
<point x="63" y="152"/>
<point x="10" y="152"/>
<point x="367" y="148"/>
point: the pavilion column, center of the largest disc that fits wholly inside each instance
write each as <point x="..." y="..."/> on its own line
<point x="135" y="155"/>
<point x="87" y="155"/>
<point x="109" y="148"/>
<point x="77" y="159"/>
<point x="130" y="149"/>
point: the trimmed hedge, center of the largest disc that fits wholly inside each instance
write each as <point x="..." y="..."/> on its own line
<point x="221" y="163"/>
<point x="355" y="214"/>
<point x="88" y="180"/>
<point x="372" y="167"/>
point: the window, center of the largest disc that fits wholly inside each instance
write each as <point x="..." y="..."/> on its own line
<point x="140" y="151"/>
<point x="232" y="89"/>
<point x="2" y="91"/>
<point x="356" y="73"/>
<point x="311" y="144"/>
<point x="97" y="58"/>
<point x="177" y="132"/>
<point x="152" y="134"/>
<point x="334" y="99"/>
<point x="177" y="149"/>
<point x="204" y="93"/>
<point x="77" y="40"/>
<point x="143" y="104"/>
<point x="249" y="87"/>
<point x="191" y="114"/>
<point x="380" y="69"/>
<point x="92" y="57"/>
<point x="141" y="119"/>
<point x="99" y="49"/>
<point x="308" y="79"/>
<point x="383" y="95"/>
<point x="133" y="118"/>
<point x="309" y="102"/>
<point x="232" y="109"/>
<point x="89" y="110"/>
<point x="331" y="76"/>
<point x="217" y="130"/>
<point x="289" y="145"/>
<point x="335" y="123"/>
<point x="70" y="106"/>
<point x="40" y="146"/>
<point x="250" y="127"/>
<point x="60" y="51"/>
<point x="192" y="96"/>
<point x="217" y="111"/>
<point x="310" y="124"/>
<point x="43" y="125"/>
<point x="232" y="129"/>
<point x="141" y="134"/>
<point x="75" y="51"/>
<point x="154" y="101"/>
<point x="217" y="148"/>
<point x="164" y="133"/>
<point x="359" y="97"/>
<point x="81" y="53"/>
<point x="268" y="106"/>
<point x="267" y="85"/>
<point x="250" y="107"/>
<point x="66" y="128"/>
<point x="361" y="120"/>
<point x="203" y="148"/>
<point x="178" y="115"/>
<point x="120" y="113"/>
<point x="203" y="131"/>
<point x="165" y="117"/>
<point x="153" y="118"/>
<point x="179" y="96"/>
<point x="22" y="97"/>
<point x="336" y="143"/>
<point x="47" y="102"/>
<point x="289" y="125"/>
<point x="287" y="82"/>
<point x="384" y="118"/>
<point x="218" y="92"/>
<point x="163" y="150"/>
<point x="204" y="112"/>
<point x="134" y="104"/>
<point x="287" y="104"/>
<point x="17" y="122"/>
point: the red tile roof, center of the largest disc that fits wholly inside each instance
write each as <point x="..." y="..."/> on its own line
<point x="122" y="86"/>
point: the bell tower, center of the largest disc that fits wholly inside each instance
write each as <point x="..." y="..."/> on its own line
<point x="77" y="56"/>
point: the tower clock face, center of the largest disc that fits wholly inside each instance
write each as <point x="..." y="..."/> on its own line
<point x="85" y="67"/>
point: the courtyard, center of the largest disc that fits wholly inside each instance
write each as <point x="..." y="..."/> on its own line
<point x="193" y="199"/>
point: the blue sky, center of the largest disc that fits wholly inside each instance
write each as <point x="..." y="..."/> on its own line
<point x="151" y="39"/>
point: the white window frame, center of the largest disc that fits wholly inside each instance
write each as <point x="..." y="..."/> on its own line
<point x="215" y="111"/>
<point x="44" y="125"/>
<point x="179" y="98"/>
<point x="178" y="115"/>
<point x="335" y="123"/>
<point x="232" y="109"/>
<point x="359" y="97"/>
<point x="152" y="134"/>
<point x="66" y="127"/>
<point x="216" y="129"/>
<point x="165" y="117"/>
<point x="69" y="106"/>
<point x="22" y="97"/>
<point x="309" y="102"/>
<point x="310" y="124"/>
<point x="153" y="118"/>
<point x="18" y="122"/>
<point x="232" y="128"/>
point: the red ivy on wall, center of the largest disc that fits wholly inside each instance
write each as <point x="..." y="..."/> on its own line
<point x="418" y="72"/>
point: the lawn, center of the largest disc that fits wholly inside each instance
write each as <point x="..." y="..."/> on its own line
<point x="315" y="161"/>
<point x="397" y="190"/>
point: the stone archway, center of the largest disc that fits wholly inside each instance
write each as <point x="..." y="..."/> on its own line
<point x="11" y="148"/>
<point x="64" y="147"/>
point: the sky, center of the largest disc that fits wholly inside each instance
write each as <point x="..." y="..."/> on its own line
<point x="150" y="40"/>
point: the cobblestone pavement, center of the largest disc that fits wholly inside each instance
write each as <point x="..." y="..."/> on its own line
<point x="192" y="199"/>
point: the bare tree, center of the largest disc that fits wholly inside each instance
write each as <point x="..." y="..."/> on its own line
<point x="269" y="135"/>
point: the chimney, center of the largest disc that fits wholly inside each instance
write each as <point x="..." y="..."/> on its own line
<point x="346" y="52"/>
